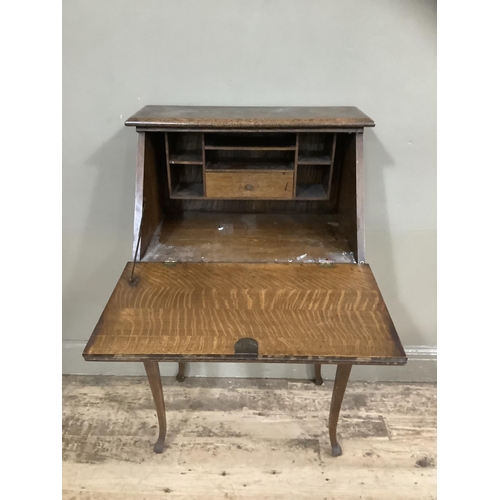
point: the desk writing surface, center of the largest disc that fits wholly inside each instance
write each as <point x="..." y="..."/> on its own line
<point x="296" y="312"/>
<point x="250" y="238"/>
<point x="250" y="117"/>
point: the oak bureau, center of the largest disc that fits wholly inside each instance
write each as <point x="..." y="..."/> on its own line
<point x="248" y="247"/>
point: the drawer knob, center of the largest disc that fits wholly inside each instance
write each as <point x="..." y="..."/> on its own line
<point x="248" y="187"/>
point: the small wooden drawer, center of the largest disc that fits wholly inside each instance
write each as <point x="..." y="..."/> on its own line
<point x="249" y="184"/>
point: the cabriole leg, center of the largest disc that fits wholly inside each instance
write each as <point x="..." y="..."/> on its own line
<point x="181" y="374"/>
<point x="341" y="378"/>
<point x="318" y="379"/>
<point x="153" y="372"/>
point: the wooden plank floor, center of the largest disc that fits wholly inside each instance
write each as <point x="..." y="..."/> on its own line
<point x="236" y="438"/>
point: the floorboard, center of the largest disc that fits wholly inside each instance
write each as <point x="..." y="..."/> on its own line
<point x="247" y="439"/>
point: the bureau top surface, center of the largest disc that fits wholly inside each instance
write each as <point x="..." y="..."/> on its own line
<point x="190" y="117"/>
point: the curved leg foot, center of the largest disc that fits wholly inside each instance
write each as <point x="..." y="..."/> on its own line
<point x="318" y="379"/>
<point x="153" y="372"/>
<point x="341" y="378"/>
<point x="159" y="445"/>
<point x="181" y="373"/>
<point x="336" y="450"/>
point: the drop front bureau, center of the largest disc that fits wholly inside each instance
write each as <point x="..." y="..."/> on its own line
<point x="248" y="247"/>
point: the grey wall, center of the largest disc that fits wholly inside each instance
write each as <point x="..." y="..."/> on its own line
<point x="379" y="56"/>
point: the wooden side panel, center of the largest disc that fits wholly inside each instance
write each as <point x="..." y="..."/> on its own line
<point x="149" y="189"/>
<point x="349" y="164"/>
<point x="360" y="200"/>
<point x="139" y="186"/>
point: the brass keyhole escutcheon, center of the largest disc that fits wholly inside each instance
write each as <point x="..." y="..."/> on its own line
<point x="249" y="187"/>
<point x="246" y="347"/>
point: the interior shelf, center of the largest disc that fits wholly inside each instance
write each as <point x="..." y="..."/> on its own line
<point x="235" y="165"/>
<point x="252" y="141"/>
<point x="183" y="147"/>
<point x="308" y="157"/>
<point x="188" y="190"/>
<point x="314" y="160"/>
<point x="186" y="158"/>
<point x="311" y="192"/>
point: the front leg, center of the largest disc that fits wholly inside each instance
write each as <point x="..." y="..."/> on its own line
<point x="341" y="378"/>
<point x="153" y="372"/>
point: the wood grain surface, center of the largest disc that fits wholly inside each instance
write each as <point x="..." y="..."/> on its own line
<point x="249" y="117"/>
<point x="250" y="184"/>
<point x="237" y="237"/>
<point x="296" y="312"/>
<point x="150" y="189"/>
<point x="349" y="168"/>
